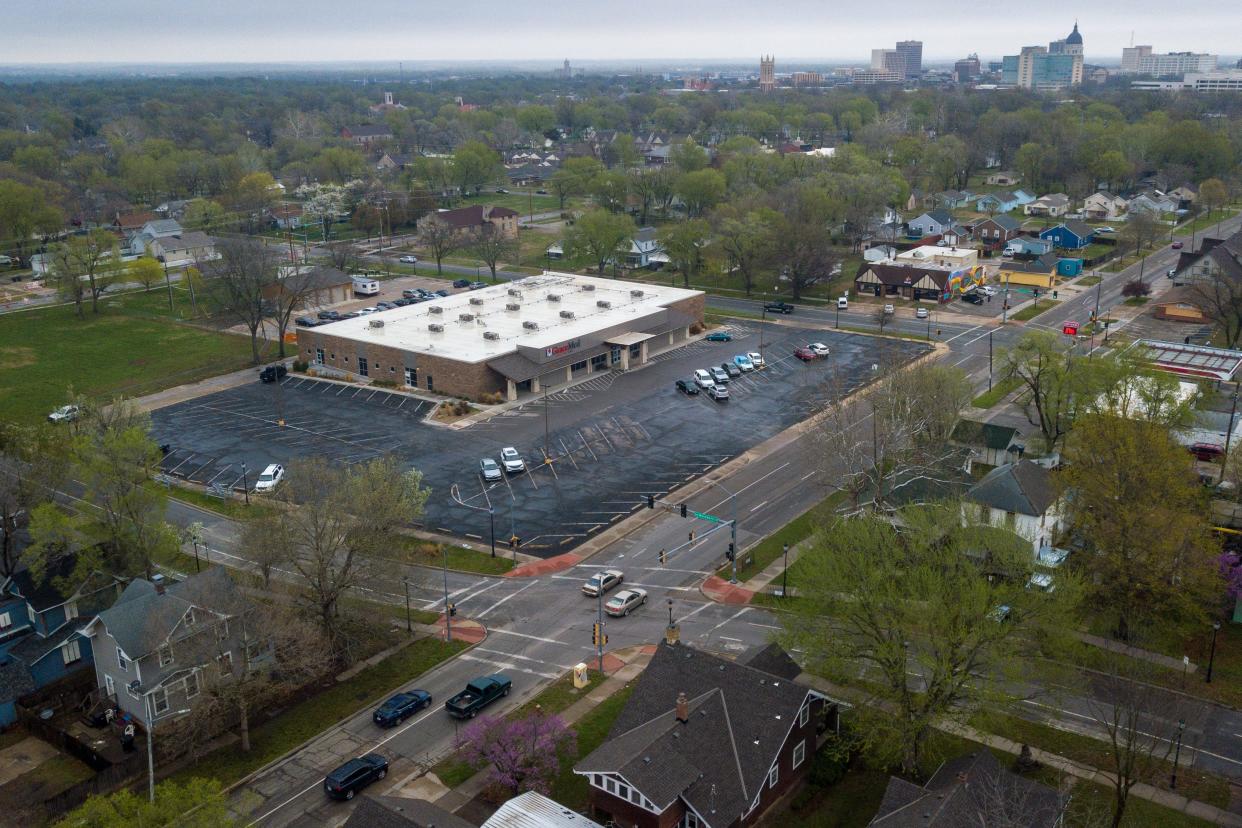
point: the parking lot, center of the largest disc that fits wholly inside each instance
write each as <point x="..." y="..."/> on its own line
<point x="593" y="452"/>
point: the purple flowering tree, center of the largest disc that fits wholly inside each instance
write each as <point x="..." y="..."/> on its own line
<point x="520" y="755"/>
<point x="1231" y="572"/>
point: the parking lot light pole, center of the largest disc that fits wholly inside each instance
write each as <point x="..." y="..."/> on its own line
<point x="448" y="615"/>
<point x="1212" y="655"/>
<point x="599" y="645"/>
<point x="405" y="579"/>
<point x="491" y="519"/>
<point x="1177" y="755"/>
<point x="245" y="485"/>
<point x="785" y="573"/>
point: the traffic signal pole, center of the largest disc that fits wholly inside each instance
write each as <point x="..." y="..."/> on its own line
<point x="599" y="636"/>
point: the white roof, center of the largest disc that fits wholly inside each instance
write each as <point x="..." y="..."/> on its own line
<point x="407" y="328"/>
<point x="533" y="810"/>
<point x="930" y="251"/>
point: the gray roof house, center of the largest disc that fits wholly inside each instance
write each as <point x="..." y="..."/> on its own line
<point x="931" y="223"/>
<point x="967" y="792"/>
<point x="152" y="648"/>
<point x="703" y="741"/>
<point x="992" y="444"/>
<point x="1021" y="497"/>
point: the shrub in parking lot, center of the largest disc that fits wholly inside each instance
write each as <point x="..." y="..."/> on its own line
<point x="300" y="365"/>
<point x="492" y="398"/>
<point x="384" y="383"/>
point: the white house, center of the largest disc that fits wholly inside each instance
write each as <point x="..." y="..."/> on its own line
<point x="1053" y="204"/>
<point x="184" y="248"/>
<point x="1019" y="497"/>
<point x="1104" y="206"/>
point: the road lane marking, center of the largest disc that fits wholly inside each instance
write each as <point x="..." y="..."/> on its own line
<point x="532" y="637"/>
<point x="760" y="506"/>
<point x="963" y="333"/>
<point x="506" y="598"/>
<point x="748" y="485"/>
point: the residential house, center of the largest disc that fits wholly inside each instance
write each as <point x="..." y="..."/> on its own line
<point x="528" y="174"/>
<point x="139" y="242"/>
<point x="319" y="286"/>
<point x="374" y="811"/>
<point x="643" y="246"/>
<point x="1215" y="259"/>
<point x="1040" y="272"/>
<point x="1003" y="201"/>
<point x="286" y="216"/>
<point x="1182" y="304"/>
<point x="1054" y="205"/>
<point x="1104" y="206"/>
<point x="951" y="199"/>
<point x="931" y="254"/>
<point x="996" y="231"/>
<point x="1020" y="497"/>
<point x="907" y="281"/>
<point x="957" y="235"/>
<point x="1154" y="201"/>
<point x="394" y="161"/>
<point x="159" y="644"/>
<point x="1027" y="246"/>
<point x="968" y="792"/>
<point x="478" y="217"/>
<point x="1003" y="178"/>
<point x="992" y="444"/>
<point x="364" y="135"/>
<point x="1071" y="234"/>
<point x="184" y="248"/>
<point x="704" y="741"/>
<point x="1184" y="194"/>
<point x="39" y="639"/>
<point x="172" y="209"/>
<point x="931" y="223"/>
<point x="133" y="222"/>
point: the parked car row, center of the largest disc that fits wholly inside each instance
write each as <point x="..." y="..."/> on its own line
<point x="714" y="381"/>
<point x="812" y="351"/>
<point x="510" y="460"/>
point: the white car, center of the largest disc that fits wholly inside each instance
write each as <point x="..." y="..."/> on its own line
<point x="756" y="359"/>
<point x="889" y="310"/>
<point x="366" y="311"/>
<point x="842" y="303"/>
<point x="921" y="313"/>
<point x="819" y="349"/>
<point x="64" y="414"/>
<point x="627" y="599"/>
<point x="408" y="260"/>
<point x="987" y="291"/>
<point x="511" y="460"/>
<point x="718" y="392"/>
<point x="6" y="261"/>
<point x="270" y="477"/>
<point x="601" y="582"/>
<point x="703" y="378"/>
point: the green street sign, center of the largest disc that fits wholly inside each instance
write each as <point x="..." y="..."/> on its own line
<point x="705" y="516"/>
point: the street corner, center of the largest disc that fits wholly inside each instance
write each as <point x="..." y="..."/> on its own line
<point x="547" y="566"/>
<point x="463" y="629"/>
<point x="722" y="592"/>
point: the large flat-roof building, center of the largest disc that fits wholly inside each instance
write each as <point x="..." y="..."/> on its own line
<point x="508" y="339"/>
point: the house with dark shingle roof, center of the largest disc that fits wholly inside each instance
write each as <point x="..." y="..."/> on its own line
<point x="931" y="223"/>
<point x="1071" y="234"/>
<point x="364" y="135"/>
<point x="995" y="231"/>
<point x="906" y="281"/>
<point x="402" y="812"/>
<point x="989" y="443"/>
<point x="704" y="741"/>
<point x="1021" y="497"/>
<point x="968" y="792"/>
<point x="477" y="218"/>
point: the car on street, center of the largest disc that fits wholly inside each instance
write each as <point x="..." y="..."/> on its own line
<point x="703" y="378"/>
<point x="479" y="693"/>
<point x="620" y="604"/>
<point x="305" y="322"/>
<point x="719" y="336"/>
<point x="461" y="283"/>
<point x="602" y="581"/>
<point x="477" y="285"/>
<point x="719" y="375"/>
<point x="350" y="315"/>
<point x="400" y="707"/>
<point x="687" y="386"/>
<point x="804" y="354"/>
<point x="842" y="303"/>
<point x="402" y="302"/>
<point x="778" y="307"/>
<point x="819" y="349"/>
<point x="270" y="478"/>
<point x="64" y="414"/>
<point x="329" y="315"/>
<point x="272" y="373"/>
<point x="385" y="305"/>
<point x="1206" y="451"/>
<point x="743" y="362"/>
<point x="541" y="192"/>
<point x="973" y="298"/>
<point x="490" y="469"/>
<point x="1177" y="245"/>
<point x="921" y="313"/>
<point x="365" y="311"/>
<point x="408" y="260"/>
<point x="889" y="310"/>
<point x="354" y="775"/>
<point x="412" y="293"/>
<point x="441" y="292"/>
<point x="987" y="290"/>
<point x="732" y="369"/>
<point x="511" y="460"/>
<point x="6" y="260"/>
<point x="756" y="359"/>
<point x="502" y="191"/>
<point x="1105" y="229"/>
<point x="718" y="392"/>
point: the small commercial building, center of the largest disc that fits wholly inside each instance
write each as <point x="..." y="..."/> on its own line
<point x="508" y="339"/>
<point x="952" y="257"/>
<point x="1039" y="273"/>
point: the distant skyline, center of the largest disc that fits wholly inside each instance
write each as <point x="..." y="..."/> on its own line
<point x="229" y="31"/>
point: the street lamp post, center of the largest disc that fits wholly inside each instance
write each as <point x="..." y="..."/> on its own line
<point x="1212" y="655"/>
<point x="837" y="324"/>
<point x="989" y="360"/>
<point x="245" y="485"/>
<point x="599" y="641"/>
<point x="491" y="520"/>
<point x="1177" y="755"/>
<point x="785" y="573"/>
<point x="405" y="580"/>
<point x="1233" y="410"/>
<point x="151" y="749"/>
<point x="448" y="614"/>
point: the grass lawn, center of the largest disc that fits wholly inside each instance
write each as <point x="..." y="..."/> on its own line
<point x="308" y="718"/>
<point x="1207" y="223"/>
<point x="792" y="533"/>
<point x="1136" y="301"/>
<point x="1032" y="311"/>
<point x="131" y="347"/>
<point x="234" y="508"/>
<point x="570" y="789"/>
<point x="522" y="199"/>
<point x="1089" y="281"/>
<point x="999" y="391"/>
<point x="429" y="553"/>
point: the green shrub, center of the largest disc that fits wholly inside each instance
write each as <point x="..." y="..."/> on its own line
<point x="300" y="365"/>
<point x="384" y="383"/>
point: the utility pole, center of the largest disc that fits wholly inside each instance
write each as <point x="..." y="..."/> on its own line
<point x="989" y="360"/>
<point x="448" y="611"/>
<point x="599" y="637"/>
<point x="1224" y="460"/>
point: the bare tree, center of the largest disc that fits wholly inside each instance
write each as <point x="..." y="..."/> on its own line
<point x="1220" y="298"/>
<point x="439" y="237"/>
<point x="34" y="463"/>
<point x="343" y="255"/>
<point x="268" y="544"/>
<point x="491" y="245"/>
<point x="295" y="284"/>
<point x="1139" y="231"/>
<point x="241" y="283"/>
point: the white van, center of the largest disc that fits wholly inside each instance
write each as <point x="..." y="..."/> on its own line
<point x="365" y="286"/>
<point x="842" y="303"/>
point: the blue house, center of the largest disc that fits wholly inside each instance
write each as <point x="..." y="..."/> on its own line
<point x="39" y="619"/>
<point x="1003" y="201"/>
<point x="1071" y="235"/>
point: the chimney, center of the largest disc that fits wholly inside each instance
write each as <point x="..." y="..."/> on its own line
<point x="683" y="708"/>
<point x="158" y="582"/>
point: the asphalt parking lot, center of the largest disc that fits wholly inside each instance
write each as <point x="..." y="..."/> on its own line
<point x="593" y="451"/>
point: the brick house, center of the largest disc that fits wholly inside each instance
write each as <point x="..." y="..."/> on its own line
<point x="704" y="743"/>
<point x="995" y="231"/>
<point x="478" y="218"/>
<point x="364" y="135"/>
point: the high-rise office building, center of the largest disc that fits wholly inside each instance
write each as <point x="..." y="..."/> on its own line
<point x="910" y="57"/>
<point x="1140" y="60"/>
<point x="966" y="69"/>
<point x="767" y="73"/>
<point x="1055" y="67"/>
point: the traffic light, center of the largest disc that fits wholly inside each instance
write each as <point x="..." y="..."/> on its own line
<point x="663" y="557"/>
<point x="731" y="553"/>
<point x="650" y="501"/>
<point x="683" y="510"/>
<point x="597" y="634"/>
<point x="1036" y="292"/>
<point x="691" y="536"/>
<point x="452" y="610"/>
<point x="514" y="541"/>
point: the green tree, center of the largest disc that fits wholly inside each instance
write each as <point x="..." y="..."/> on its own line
<point x="24" y="212"/>
<point x="1032" y="161"/>
<point x="688" y="157"/>
<point x="746" y="240"/>
<point x="86" y="266"/>
<point x="610" y="190"/>
<point x="700" y="191"/>
<point x="536" y="118"/>
<point x="1111" y="168"/>
<point x="145" y="271"/>
<point x="196" y="803"/>
<point x="803" y="239"/>
<point x="913" y="611"/>
<point x="599" y="237"/>
<point x="474" y="165"/>
<point x="252" y="196"/>
<point x="1213" y="194"/>
<point x="684" y="243"/>
<point x="204" y="214"/>
<point x="1046" y="373"/>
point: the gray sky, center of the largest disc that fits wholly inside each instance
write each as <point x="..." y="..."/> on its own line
<point x="222" y="31"/>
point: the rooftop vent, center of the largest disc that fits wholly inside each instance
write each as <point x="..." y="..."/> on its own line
<point x="636" y="293"/>
<point x="530" y="326"/>
<point x="435" y="327"/>
<point x="377" y="323"/>
<point x="435" y="309"/>
<point x="465" y="317"/>
<point x="586" y="287"/>
<point x="567" y="314"/>
<point x="513" y="306"/>
<point x="493" y="335"/>
<point x="476" y="300"/>
<point x="554" y="297"/>
<point x="515" y="292"/>
<point x="603" y="303"/>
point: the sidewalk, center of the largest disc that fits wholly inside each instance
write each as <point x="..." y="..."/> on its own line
<point x="181" y="393"/>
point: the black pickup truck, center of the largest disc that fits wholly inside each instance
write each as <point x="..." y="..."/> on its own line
<point x="778" y="307"/>
<point x="479" y="693"/>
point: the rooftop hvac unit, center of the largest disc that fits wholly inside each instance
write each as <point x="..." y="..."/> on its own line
<point x="530" y="326"/>
<point x="465" y="317"/>
<point x="513" y="306"/>
<point x="476" y="300"/>
<point x="435" y="309"/>
<point x="493" y="335"/>
<point x="567" y="314"/>
<point x="603" y="303"/>
<point x="636" y="293"/>
<point x="515" y="292"/>
<point x="435" y="327"/>
<point x="554" y="297"/>
<point x="377" y="323"/>
<point x="586" y="287"/>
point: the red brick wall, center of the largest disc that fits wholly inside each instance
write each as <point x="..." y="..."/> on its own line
<point x="625" y="814"/>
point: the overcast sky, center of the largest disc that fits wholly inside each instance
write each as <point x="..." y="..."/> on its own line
<point x="225" y="31"/>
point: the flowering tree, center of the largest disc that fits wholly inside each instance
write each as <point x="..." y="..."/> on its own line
<point x="521" y="755"/>
<point x="1231" y="571"/>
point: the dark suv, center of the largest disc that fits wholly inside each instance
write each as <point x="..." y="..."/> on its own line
<point x="461" y="283"/>
<point x="273" y="372"/>
<point x="778" y="307"/>
<point x="355" y="775"/>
